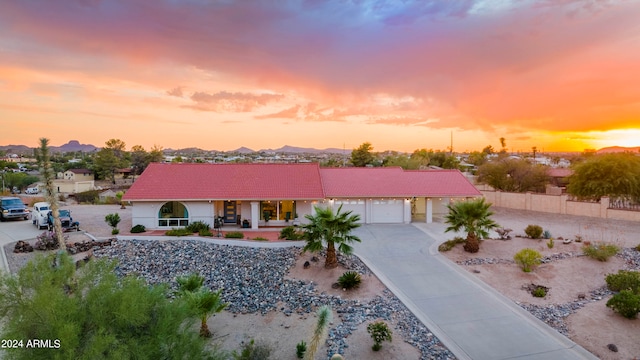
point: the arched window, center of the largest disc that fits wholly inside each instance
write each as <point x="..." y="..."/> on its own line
<point x="173" y="213"/>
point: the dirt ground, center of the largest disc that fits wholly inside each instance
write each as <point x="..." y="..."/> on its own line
<point x="593" y="326"/>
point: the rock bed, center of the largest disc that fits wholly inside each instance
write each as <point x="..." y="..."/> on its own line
<point x="554" y="315"/>
<point x="253" y="280"/>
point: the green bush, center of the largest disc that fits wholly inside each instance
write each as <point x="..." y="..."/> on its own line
<point x="533" y="231"/>
<point x="87" y="197"/>
<point x="550" y="243"/>
<point x="112" y="219"/>
<point x="196" y="226"/>
<point x="290" y="233"/>
<point x="301" y="348"/>
<point x="260" y="238"/>
<point x="350" y="280"/>
<point x="527" y="259"/>
<point x="178" y="232"/>
<point x="450" y="244"/>
<point x="638" y="247"/>
<point x="115" y="231"/>
<point x="234" y="235"/>
<point x="205" y="232"/>
<point x="138" y="229"/>
<point x="625" y="303"/>
<point x="252" y="351"/>
<point x="600" y="251"/>
<point x="379" y="332"/>
<point x="624" y="280"/>
<point x="539" y="292"/>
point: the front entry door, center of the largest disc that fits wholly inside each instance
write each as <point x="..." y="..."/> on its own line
<point x="230" y="212"/>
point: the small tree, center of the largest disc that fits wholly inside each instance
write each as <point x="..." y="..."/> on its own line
<point x="527" y="259"/>
<point x="202" y="302"/>
<point x="113" y="220"/>
<point x="472" y="216"/>
<point x="379" y="332"/>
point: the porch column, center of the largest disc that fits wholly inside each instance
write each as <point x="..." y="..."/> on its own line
<point x="407" y="211"/>
<point x="429" y="211"/>
<point x="255" y="214"/>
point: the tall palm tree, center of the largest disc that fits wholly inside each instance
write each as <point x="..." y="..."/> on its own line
<point x="333" y="229"/>
<point x="472" y="216"/>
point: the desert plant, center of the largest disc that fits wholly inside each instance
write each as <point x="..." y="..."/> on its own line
<point x="539" y="292"/>
<point x="46" y="241"/>
<point x="638" y="247"/>
<point x="624" y="280"/>
<point x="205" y="303"/>
<point x="290" y="233"/>
<point x="546" y="234"/>
<point x="115" y="231"/>
<point x="260" y="238"/>
<point x="578" y="238"/>
<point x="625" y="303"/>
<point x="527" y="259"/>
<point x="178" y="232"/>
<point x="472" y="216"/>
<point x="600" y="251"/>
<point x="533" y="231"/>
<point x="196" y="226"/>
<point x="550" y="243"/>
<point x="350" y="280"/>
<point x="205" y="232"/>
<point x="324" y="319"/>
<point x="450" y="244"/>
<point x="189" y="283"/>
<point x="234" y="235"/>
<point x="379" y="332"/>
<point x="253" y="351"/>
<point x="113" y="220"/>
<point x="301" y="348"/>
<point x="138" y="229"/>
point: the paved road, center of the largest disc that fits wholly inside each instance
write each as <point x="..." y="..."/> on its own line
<point x="14" y="230"/>
<point x="471" y="319"/>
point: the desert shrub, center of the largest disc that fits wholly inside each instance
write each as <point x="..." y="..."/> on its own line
<point x="450" y="244"/>
<point x="115" y="231"/>
<point x="350" y="280"/>
<point x="301" y="348"/>
<point x="46" y="241"/>
<point x="178" y="232"/>
<point x="600" y="251"/>
<point x="550" y="243"/>
<point x="533" y="231"/>
<point x="112" y="219"/>
<point x="234" y="235"/>
<point x="638" y="247"/>
<point x="138" y="229"/>
<point x="205" y="232"/>
<point x="625" y="303"/>
<point x="252" y="351"/>
<point x="87" y="197"/>
<point x="260" y="238"/>
<point x="539" y="292"/>
<point x="527" y="259"/>
<point x="379" y="332"/>
<point x="546" y="234"/>
<point x="290" y="233"/>
<point x="624" y="280"/>
<point x="196" y="226"/>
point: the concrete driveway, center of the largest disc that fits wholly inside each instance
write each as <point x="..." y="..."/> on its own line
<point x="469" y="317"/>
<point x="14" y="230"/>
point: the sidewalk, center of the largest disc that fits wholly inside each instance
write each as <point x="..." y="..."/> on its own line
<point x="469" y="317"/>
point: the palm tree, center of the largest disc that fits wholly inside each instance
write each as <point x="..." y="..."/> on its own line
<point x="474" y="217"/>
<point x="205" y="303"/>
<point x="332" y="228"/>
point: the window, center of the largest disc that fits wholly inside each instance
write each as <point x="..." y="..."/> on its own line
<point x="173" y="213"/>
<point x="278" y="210"/>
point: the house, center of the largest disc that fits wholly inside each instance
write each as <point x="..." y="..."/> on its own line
<point x="76" y="175"/>
<point x="174" y="195"/>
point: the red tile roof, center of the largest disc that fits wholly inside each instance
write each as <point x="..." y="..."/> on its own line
<point x="227" y="182"/>
<point x="394" y="181"/>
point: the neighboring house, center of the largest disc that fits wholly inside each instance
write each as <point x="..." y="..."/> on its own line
<point x="174" y="195"/>
<point x="107" y="195"/>
<point x="77" y="175"/>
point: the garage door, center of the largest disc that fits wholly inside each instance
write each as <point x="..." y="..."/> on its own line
<point x="353" y="205"/>
<point x="387" y="211"/>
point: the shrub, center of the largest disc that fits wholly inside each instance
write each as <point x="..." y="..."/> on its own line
<point x="87" y="197"/>
<point x="290" y="233"/>
<point x="46" y="241"/>
<point x="350" y="280"/>
<point x="539" y="292"/>
<point x="260" y="238"/>
<point x="205" y="232"/>
<point x="624" y="280"/>
<point x="138" y="229"/>
<point x="234" y="235"/>
<point x="301" y="348"/>
<point x="550" y="243"/>
<point x="252" y="351"/>
<point x="638" y="247"/>
<point x="379" y="332"/>
<point x="196" y="226"/>
<point x="115" y="231"/>
<point x="600" y="251"/>
<point x="527" y="259"/>
<point x="450" y="244"/>
<point x="546" y="234"/>
<point x="625" y="303"/>
<point x="533" y="231"/>
<point x="178" y="232"/>
<point x="112" y="219"/>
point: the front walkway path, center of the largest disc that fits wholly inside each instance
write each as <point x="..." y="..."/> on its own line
<point x="470" y="318"/>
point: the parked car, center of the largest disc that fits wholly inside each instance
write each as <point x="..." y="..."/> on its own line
<point x="65" y="219"/>
<point x="13" y="208"/>
<point x="32" y="190"/>
<point x="40" y="213"/>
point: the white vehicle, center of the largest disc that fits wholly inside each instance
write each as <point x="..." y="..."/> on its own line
<point x="39" y="214"/>
<point x="32" y="190"/>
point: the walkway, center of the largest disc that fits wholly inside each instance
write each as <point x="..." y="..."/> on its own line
<point x="469" y="317"/>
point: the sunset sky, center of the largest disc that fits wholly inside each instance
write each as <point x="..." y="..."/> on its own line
<point x="402" y="75"/>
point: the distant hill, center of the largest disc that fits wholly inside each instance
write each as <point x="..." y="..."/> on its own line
<point x="243" y="150"/>
<point x="618" y="149"/>
<point x="73" y="145"/>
